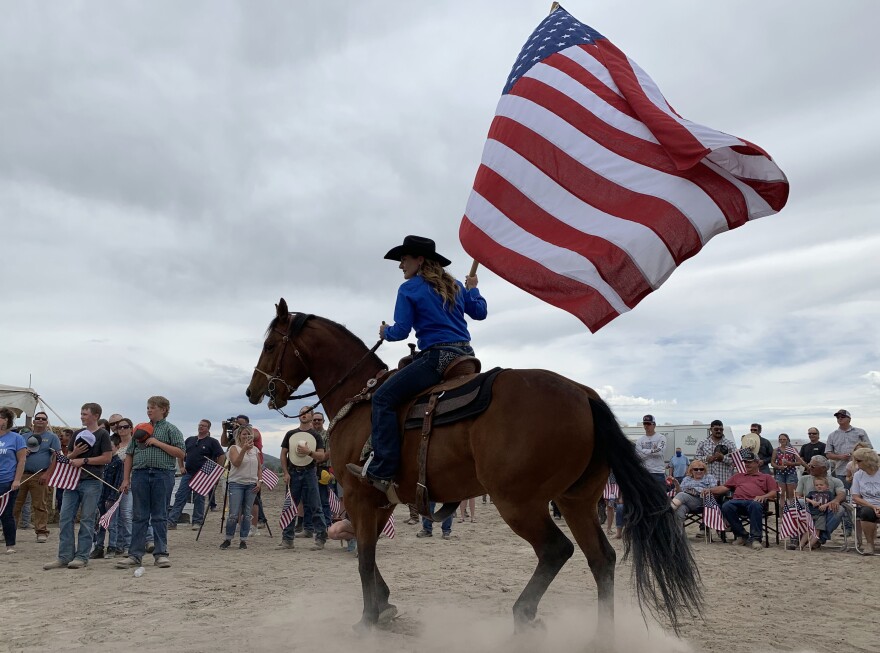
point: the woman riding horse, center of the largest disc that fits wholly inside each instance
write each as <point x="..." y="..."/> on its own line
<point x="433" y="303"/>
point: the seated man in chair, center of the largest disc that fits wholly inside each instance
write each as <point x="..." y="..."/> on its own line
<point x="750" y="490"/>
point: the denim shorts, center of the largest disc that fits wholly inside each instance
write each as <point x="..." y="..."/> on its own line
<point x="788" y="476"/>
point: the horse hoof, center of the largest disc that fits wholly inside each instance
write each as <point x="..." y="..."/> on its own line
<point x="362" y="627"/>
<point x="387" y="614"/>
<point x="532" y="626"/>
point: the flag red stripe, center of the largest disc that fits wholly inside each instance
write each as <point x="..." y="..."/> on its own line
<point x="686" y="151"/>
<point x="726" y="196"/>
<point x="586" y="79"/>
<point x="660" y="216"/>
<point x="612" y="263"/>
<point x="581" y="300"/>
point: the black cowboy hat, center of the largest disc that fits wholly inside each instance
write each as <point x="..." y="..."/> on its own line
<point x="417" y="246"/>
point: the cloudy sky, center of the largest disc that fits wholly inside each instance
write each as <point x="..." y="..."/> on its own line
<point x="168" y="171"/>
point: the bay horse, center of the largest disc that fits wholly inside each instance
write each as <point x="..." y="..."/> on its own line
<point x="522" y="469"/>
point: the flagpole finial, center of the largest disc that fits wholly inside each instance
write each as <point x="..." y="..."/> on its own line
<point x="554" y="7"/>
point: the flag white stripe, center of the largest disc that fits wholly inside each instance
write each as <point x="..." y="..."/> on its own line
<point x="756" y="205"/>
<point x="591" y="65"/>
<point x="693" y="202"/>
<point x="644" y="247"/>
<point x="564" y="262"/>
<point x="607" y="113"/>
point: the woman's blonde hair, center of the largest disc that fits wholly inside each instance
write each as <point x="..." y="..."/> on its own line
<point x="242" y="431"/>
<point x="690" y="471"/>
<point x="867" y="459"/>
<point x="441" y="281"/>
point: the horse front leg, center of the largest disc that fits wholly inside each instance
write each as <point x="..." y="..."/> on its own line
<point x="373" y="593"/>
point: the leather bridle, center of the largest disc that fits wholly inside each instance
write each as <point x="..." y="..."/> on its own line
<point x="293" y="328"/>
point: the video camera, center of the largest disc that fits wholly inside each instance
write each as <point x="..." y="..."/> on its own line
<point x="229" y="426"/>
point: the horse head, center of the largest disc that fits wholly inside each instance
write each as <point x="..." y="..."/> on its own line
<point x="280" y="369"/>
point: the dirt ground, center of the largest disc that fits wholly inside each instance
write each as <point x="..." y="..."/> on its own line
<point x="453" y="595"/>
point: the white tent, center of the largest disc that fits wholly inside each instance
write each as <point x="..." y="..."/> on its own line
<point x="24" y="400"/>
<point x="20" y="400"/>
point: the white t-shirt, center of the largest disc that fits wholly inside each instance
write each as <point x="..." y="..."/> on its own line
<point x="246" y="473"/>
<point x="651" y="448"/>
<point x="868" y="486"/>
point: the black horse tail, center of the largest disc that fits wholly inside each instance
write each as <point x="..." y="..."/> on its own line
<point x="665" y="573"/>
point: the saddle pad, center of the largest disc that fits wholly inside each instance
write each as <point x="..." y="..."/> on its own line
<point x="463" y="402"/>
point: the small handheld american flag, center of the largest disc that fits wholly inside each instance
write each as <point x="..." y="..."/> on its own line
<point x="611" y="491"/>
<point x="288" y="511"/>
<point x="104" y="521"/>
<point x="738" y="461"/>
<point x="204" y="480"/>
<point x="65" y="476"/>
<point x="270" y="478"/>
<point x="3" y="501"/>
<point x="712" y="517"/>
<point x="336" y="507"/>
<point x="389" y="531"/>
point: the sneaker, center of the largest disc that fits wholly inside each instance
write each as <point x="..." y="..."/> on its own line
<point x="150" y="547"/>
<point x="868" y="549"/>
<point x="242" y="544"/>
<point x="196" y="527"/>
<point x="172" y="526"/>
<point x="424" y="533"/>
<point x="76" y="563"/>
<point x="10" y="549"/>
<point x="308" y="534"/>
<point x="446" y="536"/>
<point x="97" y="553"/>
<point x="127" y="563"/>
<point x="317" y="546"/>
<point x="756" y="545"/>
<point x="41" y="539"/>
<point x="740" y="541"/>
<point x="226" y="544"/>
<point x="352" y="546"/>
<point x="55" y="564"/>
<point x="285" y="544"/>
<point x="163" y="562"/>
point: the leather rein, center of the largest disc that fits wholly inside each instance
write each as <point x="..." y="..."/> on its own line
<point x="293" y="328"/>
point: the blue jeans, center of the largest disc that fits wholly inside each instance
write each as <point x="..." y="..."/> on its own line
<point x="86" y="494"/>
<point x="445" y="525"/>
<point x="754" y="509"/>
<point x="7" y="518"/>
<point x="151" y="490"/>
<point x="120" y="525"/>
<point x="618" y="515"/>
<point x="419" y="375"/>
<point x="324" y="497"/>
<point x="304" y="487"/>
<point x="181" y="498"/>
<point x="241" y="501"/>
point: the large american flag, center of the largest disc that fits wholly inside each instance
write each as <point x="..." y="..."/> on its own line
<point x="592" y="189"/>
<point x="104" y="521"/>
<point x="712" y="517"/>
<point x="65" y="476"/>
<point x="204" y="480"/>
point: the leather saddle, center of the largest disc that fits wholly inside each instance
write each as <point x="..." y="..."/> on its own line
<point x="457" y="398"/>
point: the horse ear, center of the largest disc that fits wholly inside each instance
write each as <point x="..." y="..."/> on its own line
<point x="282" y="308"/>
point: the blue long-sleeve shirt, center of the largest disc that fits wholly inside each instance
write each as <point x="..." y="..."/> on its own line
<point x="420" y="307"/>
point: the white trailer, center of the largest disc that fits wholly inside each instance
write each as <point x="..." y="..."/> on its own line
<point x="686" y="436"/>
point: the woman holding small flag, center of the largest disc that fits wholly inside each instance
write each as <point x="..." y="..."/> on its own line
<point x="13" y="452"/>
<point x="245" y="481"/>
<point x="785" y="463"/>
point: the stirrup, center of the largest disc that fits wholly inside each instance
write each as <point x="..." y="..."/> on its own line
<point x="388" y="488"/>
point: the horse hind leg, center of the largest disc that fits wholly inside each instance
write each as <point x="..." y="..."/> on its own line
<point x="533" y="523"/>
<point x="579" y="512"/>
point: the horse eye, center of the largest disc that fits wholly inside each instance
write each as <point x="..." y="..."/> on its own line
<point x="268" y="347"/>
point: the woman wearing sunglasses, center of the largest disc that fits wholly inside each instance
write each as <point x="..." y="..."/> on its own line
<point x="690" y="499"/>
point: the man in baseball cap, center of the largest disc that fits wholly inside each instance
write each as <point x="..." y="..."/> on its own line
<point x="842" y="441"/>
